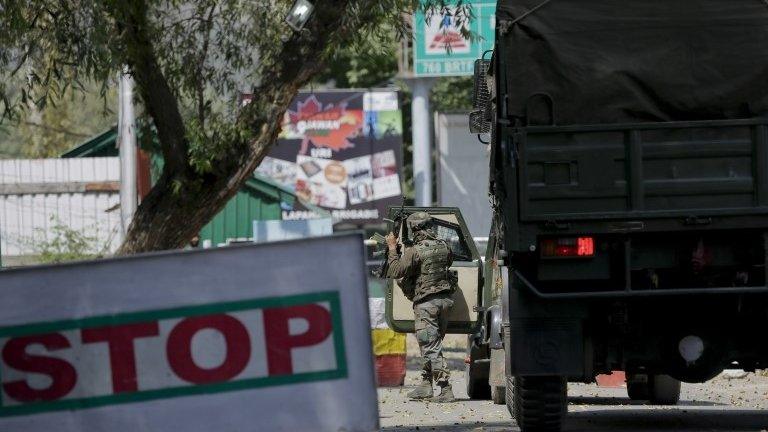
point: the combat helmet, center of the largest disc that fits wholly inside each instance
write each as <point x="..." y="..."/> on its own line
<point x="419" y="220"/>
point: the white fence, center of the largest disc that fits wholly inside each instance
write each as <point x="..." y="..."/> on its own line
<point x="37" y="194"/>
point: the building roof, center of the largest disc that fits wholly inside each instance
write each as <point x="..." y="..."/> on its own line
<point x="103" y="144"/>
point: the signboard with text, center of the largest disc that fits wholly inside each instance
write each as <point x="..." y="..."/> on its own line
<point x="205" y="340"/>
<point x="341" y="151"/>
<point x="439" y="49"/>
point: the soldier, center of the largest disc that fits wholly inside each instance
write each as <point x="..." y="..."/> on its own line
<point x="425" y="278"/>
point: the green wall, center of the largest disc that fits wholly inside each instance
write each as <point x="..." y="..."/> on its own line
<point x="257" y="200"/>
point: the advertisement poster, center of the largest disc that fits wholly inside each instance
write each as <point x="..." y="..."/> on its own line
<point x="340" y="150"/>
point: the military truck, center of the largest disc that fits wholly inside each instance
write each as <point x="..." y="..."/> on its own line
<point x="629" y="181"/>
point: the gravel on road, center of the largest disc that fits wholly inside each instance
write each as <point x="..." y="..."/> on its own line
<point x="722" y="404"/>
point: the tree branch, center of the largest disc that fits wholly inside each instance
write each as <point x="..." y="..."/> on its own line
<point x="200" y="84"/>
<point x="153" y="86"/>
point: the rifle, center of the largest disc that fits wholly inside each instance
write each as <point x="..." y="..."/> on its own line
<point x="397" y="223"/>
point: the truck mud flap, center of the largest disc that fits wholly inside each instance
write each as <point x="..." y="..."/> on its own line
<point x="546" y="347"/>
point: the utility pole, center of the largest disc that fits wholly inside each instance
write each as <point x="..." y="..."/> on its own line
<point x="126" y="141"/>
<point x="421" y="136"/>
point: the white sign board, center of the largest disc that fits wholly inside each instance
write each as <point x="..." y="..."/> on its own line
<point x="264" y="337"/>
<point x="278" y="230"/>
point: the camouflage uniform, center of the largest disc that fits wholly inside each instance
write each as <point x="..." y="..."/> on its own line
<point x="425" y="279"/>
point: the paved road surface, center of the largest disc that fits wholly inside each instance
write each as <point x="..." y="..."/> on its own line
<point x="739" y="405"/>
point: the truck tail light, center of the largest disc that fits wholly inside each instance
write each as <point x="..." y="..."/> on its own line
<point x="568" y="247"/>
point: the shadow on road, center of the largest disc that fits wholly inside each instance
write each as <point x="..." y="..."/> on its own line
<point x="677" y="419"/>
<point x="506" y="426"/>
<point x="628" y="420"/>
<point x="596" y="400"/>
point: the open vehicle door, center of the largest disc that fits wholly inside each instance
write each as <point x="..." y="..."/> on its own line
<point x="450" y="227"/>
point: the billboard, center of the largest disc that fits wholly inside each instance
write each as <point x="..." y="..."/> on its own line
<point x="340" y="150"/>
<point x="162" y="342"/>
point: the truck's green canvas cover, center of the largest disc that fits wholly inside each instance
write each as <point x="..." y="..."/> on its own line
<point x="613" y="61"/>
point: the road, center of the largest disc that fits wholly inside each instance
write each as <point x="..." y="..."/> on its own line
<point x="723" y="404"/>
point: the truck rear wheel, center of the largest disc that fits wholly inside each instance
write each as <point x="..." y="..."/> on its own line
<point x="638" y="390"/>
<point x="664" y="390"/>
<point x="476" y="373"/>
<point x="499" y="394"/>
<point x="539" y="404"/>
<point x="477" y="387"/>
<point x="657" y="389"/>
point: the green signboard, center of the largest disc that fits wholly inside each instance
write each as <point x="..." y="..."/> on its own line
<point x="430" y="41"/>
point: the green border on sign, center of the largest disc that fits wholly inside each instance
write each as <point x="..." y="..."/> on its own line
<point x="332" y="297"/>
<point x="435" y="64"/>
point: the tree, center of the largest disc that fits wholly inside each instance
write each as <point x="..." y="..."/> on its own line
<point x="189" y="60"/>
<point x="76" y="117"/>
<point x="452" y="94"/>
<point x="371" y="62"/>
<point x="10" y="144"/>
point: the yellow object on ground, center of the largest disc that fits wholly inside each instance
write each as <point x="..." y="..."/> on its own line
<point x="387" y="341"/>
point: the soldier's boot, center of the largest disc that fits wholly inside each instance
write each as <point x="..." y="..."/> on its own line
<point x="446" y="394"/>
<point x="422" y="391"/>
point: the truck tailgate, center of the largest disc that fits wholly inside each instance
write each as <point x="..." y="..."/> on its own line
<point x="647" y="170"/>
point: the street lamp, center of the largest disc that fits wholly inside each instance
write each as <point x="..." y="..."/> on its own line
<point x="299" y="14"/>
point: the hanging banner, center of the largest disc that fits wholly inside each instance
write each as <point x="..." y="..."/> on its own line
<point x="195" y="341"/>
<point x="341" y="151"/>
